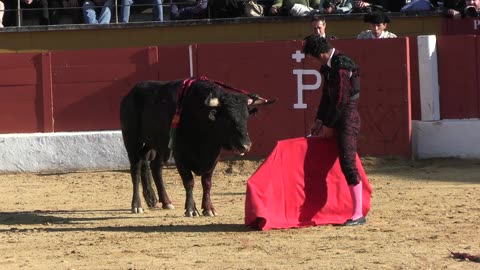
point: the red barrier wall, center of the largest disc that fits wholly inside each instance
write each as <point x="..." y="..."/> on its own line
<point x="81" y="90"/>
<point x="465" y="26"/>
<point x="459" y="75"/>
<point x="21" y="96"/>
<point x="384" y="105"/>
<point x="89" y="84"/>
<point x="385" y="95"/>
<point x="414" y="79"/>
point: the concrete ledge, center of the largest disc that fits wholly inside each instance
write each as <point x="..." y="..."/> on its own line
<point x="446" y="138"/>
<point x="62" y="152"/>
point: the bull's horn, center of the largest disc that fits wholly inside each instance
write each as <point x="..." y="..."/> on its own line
<point x="261" y="101"/>
<point x="211" y="101"/>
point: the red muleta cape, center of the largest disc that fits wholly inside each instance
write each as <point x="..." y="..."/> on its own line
<point x="301" y="184"/>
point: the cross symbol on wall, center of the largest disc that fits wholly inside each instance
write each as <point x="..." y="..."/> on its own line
<point x="298" y="56"/>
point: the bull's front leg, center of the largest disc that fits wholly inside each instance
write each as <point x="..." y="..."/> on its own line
<point x="207" y="205"/>
<point x="188" y="184"/>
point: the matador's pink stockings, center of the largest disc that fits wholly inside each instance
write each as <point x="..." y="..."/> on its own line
<point x="356" y="192"/>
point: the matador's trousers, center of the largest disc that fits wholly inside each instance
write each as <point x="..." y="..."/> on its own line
<point x="347" y="131"/>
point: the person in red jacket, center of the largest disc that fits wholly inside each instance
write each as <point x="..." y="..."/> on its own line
<point x="337" y="115"/>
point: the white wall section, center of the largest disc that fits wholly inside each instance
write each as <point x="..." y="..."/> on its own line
<point x="428" y="76"/>
<point x="446" y="138"/>
<point x="62" y="152"/>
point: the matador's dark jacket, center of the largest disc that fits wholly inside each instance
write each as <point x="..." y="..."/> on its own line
<point x="341" y="90"/>
<point x="339" y="110"/>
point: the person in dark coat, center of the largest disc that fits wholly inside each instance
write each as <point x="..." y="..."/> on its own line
<point x="48" y="12"/>
<point x="224" y="9"/>
<point x="196" y="12"/>
<point x="337" y="116"/>
<point x="319" y="26"/>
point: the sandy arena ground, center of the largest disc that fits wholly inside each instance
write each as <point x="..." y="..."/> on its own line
<point x="420" y="211"/>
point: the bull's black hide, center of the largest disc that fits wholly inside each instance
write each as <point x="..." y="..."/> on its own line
<point x="211" y="118"/>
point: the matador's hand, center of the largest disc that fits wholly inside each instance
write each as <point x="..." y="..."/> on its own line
<point x="326" y="132"/>
<point x="316" y="127"/>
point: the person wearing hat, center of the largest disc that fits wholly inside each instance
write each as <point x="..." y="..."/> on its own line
<point x="337" y="116"/>
<point x="378" y="23"/>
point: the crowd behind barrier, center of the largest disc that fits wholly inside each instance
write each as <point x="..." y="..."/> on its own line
<point x="53" y="12"/>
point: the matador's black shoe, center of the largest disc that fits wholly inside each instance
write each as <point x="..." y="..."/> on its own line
<point x="355" y="222"/>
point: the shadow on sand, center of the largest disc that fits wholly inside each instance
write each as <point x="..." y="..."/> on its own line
<point x="53" y="223"/>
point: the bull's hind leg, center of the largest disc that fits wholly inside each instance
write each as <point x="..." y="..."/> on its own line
<point x="147" y="156"/>
<point x="156" y="166"/>
<point x="148" y="192"/>
<point x="135" y="170"/>
<point x="207" y="205"/>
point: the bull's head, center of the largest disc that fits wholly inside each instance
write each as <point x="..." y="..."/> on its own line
<point x="232" y="111"/>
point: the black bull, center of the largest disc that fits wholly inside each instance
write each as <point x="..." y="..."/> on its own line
<point x="211" y="118"/>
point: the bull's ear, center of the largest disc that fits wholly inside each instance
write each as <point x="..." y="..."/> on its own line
<point x="210" y="101"/>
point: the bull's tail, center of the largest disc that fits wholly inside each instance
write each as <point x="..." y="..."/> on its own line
<point x="130" y="121"/>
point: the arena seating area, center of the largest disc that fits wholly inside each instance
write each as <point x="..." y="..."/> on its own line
<point x="143" y="13"/>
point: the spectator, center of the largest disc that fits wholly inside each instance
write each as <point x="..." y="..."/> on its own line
<point x="2" y="9"/>
<point x="472" y="8"/>
<point x="361" y="4"/>
<point x="319" y="26"/>
<point x="90" y="8"/>
<point x="252" y="8"/>
<point x="394" y="6"/>
<point x="368" y="6"/>
<point x="378" y="23"/>
<point x="283" y="7"/>
<point x="454" y="8"/>
<point x="225" y="8"/>
<point x="267" y="4"/>
<point x="336" y="6"/>
<point x="157" y="9"/>
<point x="9" y="14"/>
<point x="47" y="11"/>
<point x="417" y="5"/>
<point x="72" y="8"/>
<point x="199" y="11"/>
<point x="457" y="9"/>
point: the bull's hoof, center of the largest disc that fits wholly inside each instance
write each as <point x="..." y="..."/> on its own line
<point x="155" y="207"/>
<point x="137" y="210"/>
<point x="192" y="213"/>
<point x="209" y="213"/>
<point x="168" y="206"/>
<point x="152" y="205"/>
